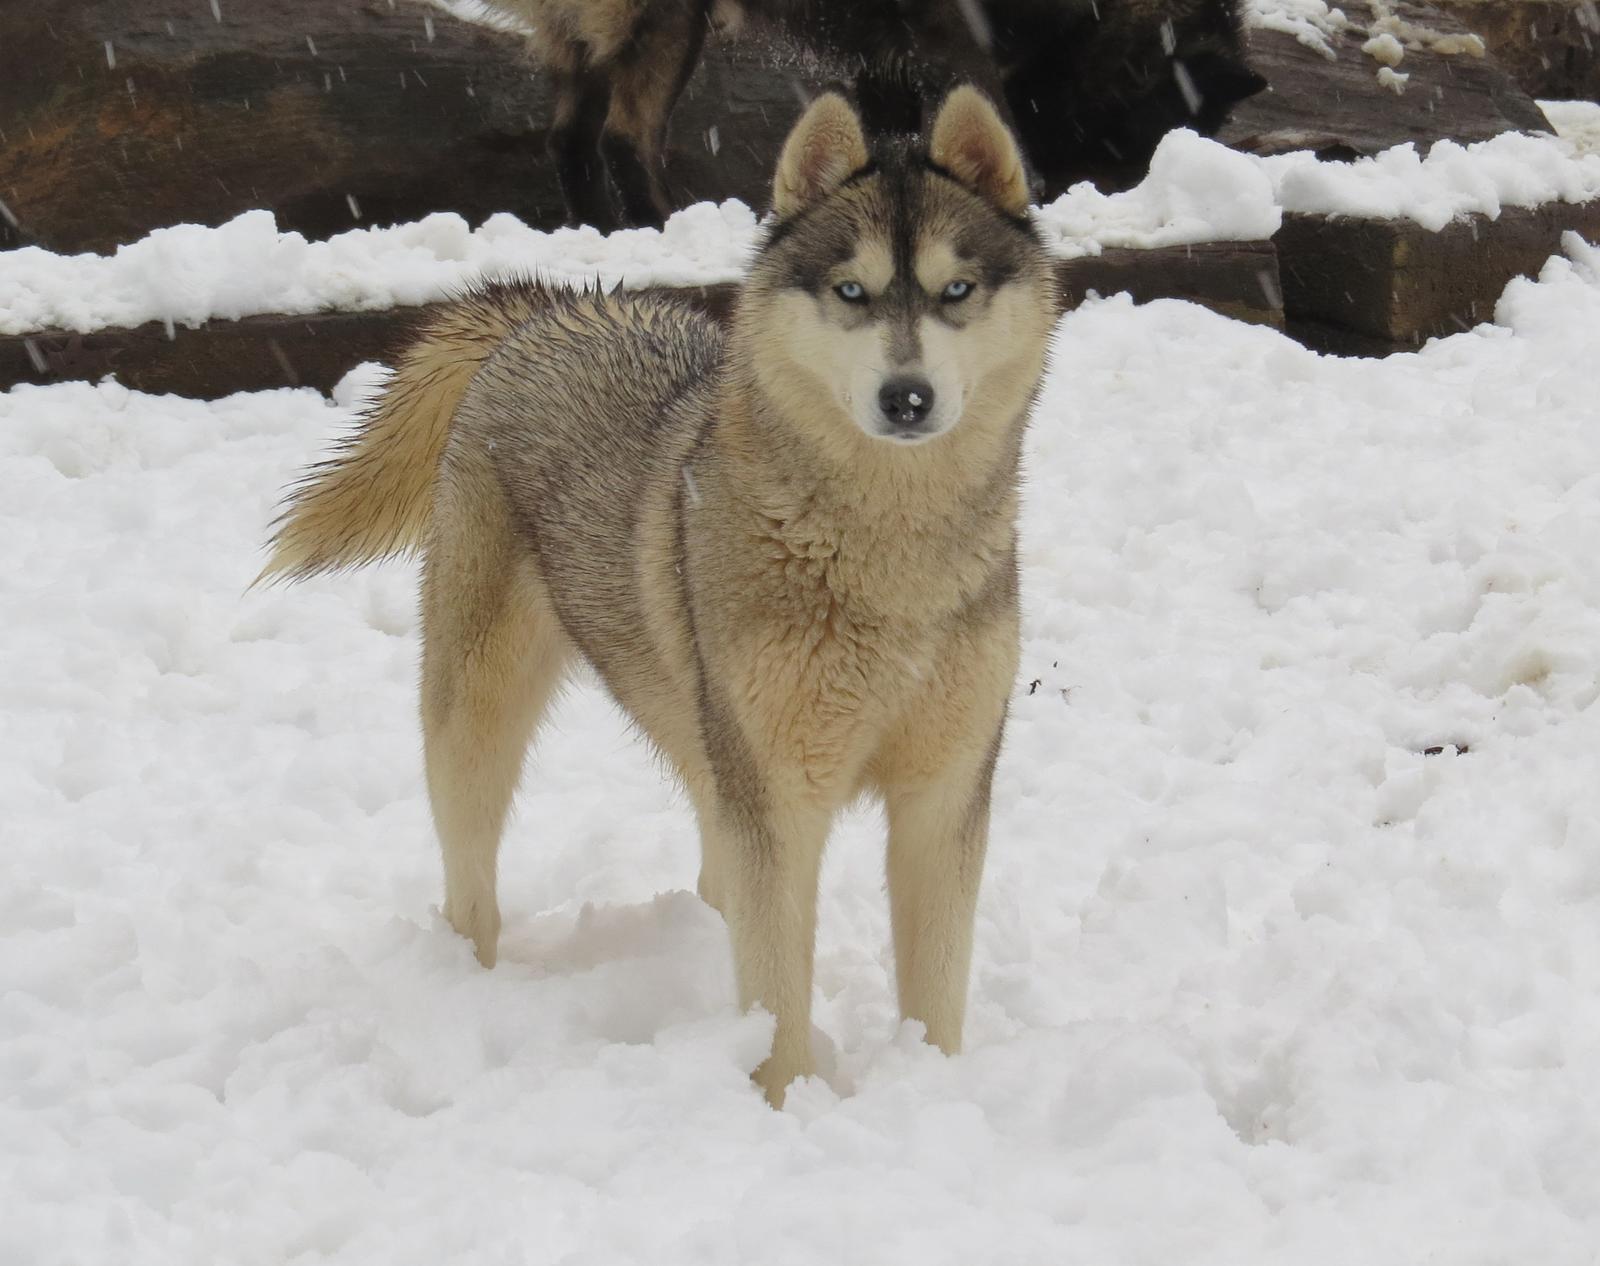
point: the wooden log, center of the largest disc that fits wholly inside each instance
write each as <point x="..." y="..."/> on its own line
<point x="1550" y="47"/>
<point x="125" y="115"/>
<point x="1237" y="279"/>
<point x="1338" y="108"/>
<point x="121" y="116"/>
<point x="264" y="352"/>
<point x="256" y="353"/>
<point x="1373" y="286"/>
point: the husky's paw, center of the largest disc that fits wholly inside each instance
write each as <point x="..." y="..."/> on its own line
<point x="777" y="1072"/>
<point x="773" y="1079"/>
<point x="480" y="926"/>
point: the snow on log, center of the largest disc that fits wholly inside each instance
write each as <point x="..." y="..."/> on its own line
<point x="219" y="357"/>
<point x="1325" y="94"/>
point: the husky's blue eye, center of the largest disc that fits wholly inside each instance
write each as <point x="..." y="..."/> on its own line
<point x="956" y="291"/>
<point x="851" y="292"/>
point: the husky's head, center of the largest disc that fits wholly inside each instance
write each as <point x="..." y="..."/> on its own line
<point x="901" y="294"/>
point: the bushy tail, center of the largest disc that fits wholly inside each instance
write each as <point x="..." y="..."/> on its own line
<point x="374" y="496"/>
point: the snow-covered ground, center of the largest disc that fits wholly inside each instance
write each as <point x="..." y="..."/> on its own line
<point x="1257" y="979"/>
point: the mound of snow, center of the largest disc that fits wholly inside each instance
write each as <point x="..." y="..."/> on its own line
<point x="1449" y="182"/>
<point x="1196" y="191"/>
<point x="1256" y="980"/>
<point x="1576" y="122"/>
<point x="1311" y="22"/>
<point x="189" y="274"/>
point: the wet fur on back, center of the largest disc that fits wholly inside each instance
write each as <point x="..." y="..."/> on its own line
<point x="788" y="548"/>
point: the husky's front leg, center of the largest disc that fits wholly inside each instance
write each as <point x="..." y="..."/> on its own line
<point x="938" y="834"/>
<point x="766" y="859"/>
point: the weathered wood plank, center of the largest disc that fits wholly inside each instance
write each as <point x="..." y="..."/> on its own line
<point x="1377" y="285"/>
<point x="266" y="352"/>
<point x="257" y="353"/>
<point x="1237" y="279"/>
<point x="124" y="115"/>
<point x="1550" y="47"/>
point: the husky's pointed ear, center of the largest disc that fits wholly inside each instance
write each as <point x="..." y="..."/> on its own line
<point x="825" y="148"/>
<point x="973" y="145"/>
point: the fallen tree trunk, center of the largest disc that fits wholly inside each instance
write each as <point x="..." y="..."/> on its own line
<point x="1338" y="107"/>
<point x="1550" y="47"/>
<point x="120" y="116"/>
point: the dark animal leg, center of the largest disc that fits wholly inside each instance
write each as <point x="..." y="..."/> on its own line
<point x="647" y="81"/>
<point x="582" y="99"/>
<point x="644" y="203"/>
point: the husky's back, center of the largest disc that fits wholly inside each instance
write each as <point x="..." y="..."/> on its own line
<point x="585" y="417"/>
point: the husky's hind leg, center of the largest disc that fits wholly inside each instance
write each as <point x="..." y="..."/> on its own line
<point x="713" y="880"/>
<point x="492" y="655"/>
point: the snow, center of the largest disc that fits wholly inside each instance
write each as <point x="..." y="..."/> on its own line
<point x="1576" y="122"/>
<point x="188" y="273"/>
<point x="1446" y="183"/>
<point x="1316" y="25"/>
<point x="1311" y="22"/>
<point x="1385" y="21"/>
<point x="1384" y="49"/>
<point x="482" y="13"/>
<point x="1256" y="980"/>
<point x="1394" y="80"/>
<point x="1197" y="190"/>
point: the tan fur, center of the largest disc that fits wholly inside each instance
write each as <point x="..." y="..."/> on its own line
<point x="617" y="69"/>
<point x="963" y="145"/>
<point x="792" y="610"/>
<point x="594" y="30"/>
<point x="373" y="498"/>
<point x="728" y="18"/>
<point x="824" y="148"/>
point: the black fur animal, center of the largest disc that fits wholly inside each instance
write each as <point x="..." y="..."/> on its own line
<point x="1094" y="85"/>
<point x="1090" y="86"/>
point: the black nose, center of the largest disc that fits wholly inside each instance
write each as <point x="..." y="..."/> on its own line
<point x="906" y="401"/>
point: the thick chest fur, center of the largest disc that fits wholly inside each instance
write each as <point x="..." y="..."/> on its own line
<point x="822" y="644"/>
<point x="814" y="689"/>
